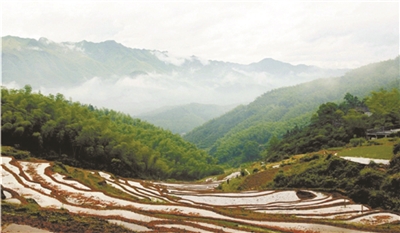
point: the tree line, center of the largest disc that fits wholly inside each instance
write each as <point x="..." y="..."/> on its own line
<point x="55" y="128"/>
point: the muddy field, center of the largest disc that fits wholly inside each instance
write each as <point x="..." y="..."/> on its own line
<point x="192" y="207"/>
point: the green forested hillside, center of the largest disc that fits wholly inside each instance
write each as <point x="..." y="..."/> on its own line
<point x="241" y="134"/>
<point x="336" y="125"/>
<point x="55" y="128"/>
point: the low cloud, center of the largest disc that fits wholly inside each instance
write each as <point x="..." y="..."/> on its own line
<point x="167" y="58"/>
<point x="148" y="92"/>
<point x="34" y="48"/>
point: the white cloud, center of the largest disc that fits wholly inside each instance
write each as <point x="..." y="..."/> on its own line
<point x="148" y="92"/>
<point x="203" y="61"/>
<point x="72" y="46"/>
<point x="168" y="58"/>
<point x="34" y="48"/>
<point x="328" y="34"/>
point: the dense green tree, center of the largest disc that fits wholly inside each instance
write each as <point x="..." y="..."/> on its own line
<point x="356" y="123"/>
<point x="81" y="135"/>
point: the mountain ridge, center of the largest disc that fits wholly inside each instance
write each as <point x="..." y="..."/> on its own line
<point x="129" y="58"/>
<point x="111" y="75"/>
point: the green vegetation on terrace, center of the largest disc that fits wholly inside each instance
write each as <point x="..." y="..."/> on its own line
<point x="373" y="184"/>
<point x="90" y="179"/>
<point x="380" y="149"/>
<point x="54" y="128"/>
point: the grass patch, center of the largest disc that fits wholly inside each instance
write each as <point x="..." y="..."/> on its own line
<point x="375" y="149"/>
<point x="93" y="181"/>
<point x="335" y="149"/>
<point x="18" y="154"/>
<point x="262" y="179"/>
<point x="232" y="185"/>
<point x="374" y="152"/>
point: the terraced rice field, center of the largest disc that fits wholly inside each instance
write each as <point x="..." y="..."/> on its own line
<point x="191" y="207"/>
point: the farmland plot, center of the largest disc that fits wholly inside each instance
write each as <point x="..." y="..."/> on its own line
<point x="145" y="206"/>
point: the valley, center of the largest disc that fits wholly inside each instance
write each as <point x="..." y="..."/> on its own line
<point x="68" y="166"/>
<point x="200" y="117"/>
<point x="73" y="167"/>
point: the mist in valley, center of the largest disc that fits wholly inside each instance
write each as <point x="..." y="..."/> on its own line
<point x="192" y="80"/>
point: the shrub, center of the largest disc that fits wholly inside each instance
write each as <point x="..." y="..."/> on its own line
<point x="357" y="141"/>
<point x="18" y="154"/>
<point x="396" y="148"/>
<point x="309" y="158"/>
<point x="373" y="143"/>
<point x="360" y="195"/>
<point x="394" y="164"/>
<point x="243" y="172"/>
<point x="373" y="164"/>
<point x="370" y="178"/>
<point x="60" y="165"/>
<point x="280" y="179"/>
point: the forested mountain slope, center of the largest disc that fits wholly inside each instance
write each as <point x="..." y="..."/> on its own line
<point x="241" y="134"/>
<point x="184" y="118"/>
<point x="52" y="127"/>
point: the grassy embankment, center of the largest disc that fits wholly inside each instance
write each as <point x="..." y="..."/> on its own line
<point x="379" y="149"/>
<point x="262" y="175"/>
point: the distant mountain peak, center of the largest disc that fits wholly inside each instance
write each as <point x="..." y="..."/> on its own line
<point x="268" y="59"/>
<point x="45" y="41"/>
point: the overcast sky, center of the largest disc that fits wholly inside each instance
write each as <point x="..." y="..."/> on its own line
<point x="326" y="34"/>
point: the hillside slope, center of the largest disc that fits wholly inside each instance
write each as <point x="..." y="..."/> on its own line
<point x="184" y="118"/>
<point x="54" y="128"/>
<point x="246" y="129"/>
